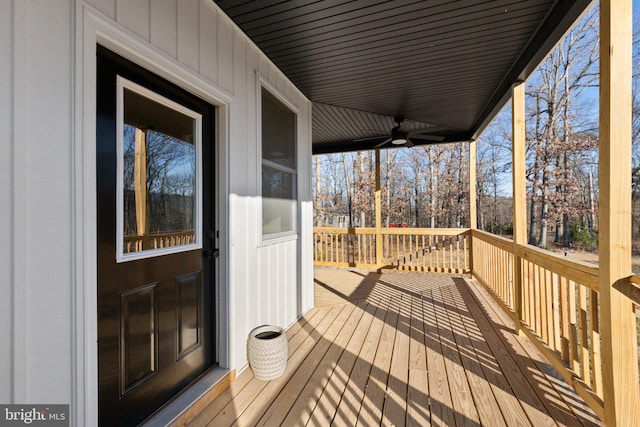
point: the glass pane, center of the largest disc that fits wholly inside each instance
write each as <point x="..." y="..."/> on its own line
<point x="278" y="131"/>
<point x="159" y="175"/>
<point x="278" y="201"/>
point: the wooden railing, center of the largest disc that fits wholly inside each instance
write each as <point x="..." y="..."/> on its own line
<point x="632" y="289"/>
<point x="552" y="300"/>
<point x="558" y="309"/>
<point x="416" y="249"/>
<point x="493" y="265"/>
<point x="344" y="247"/>
<point x="442" y="250"/>
<point x="155" y="241"/>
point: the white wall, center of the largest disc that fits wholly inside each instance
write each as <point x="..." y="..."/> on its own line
<point x="6" y="195"/>
<point x="36" y="190"/>
<point x="47" y="255"/>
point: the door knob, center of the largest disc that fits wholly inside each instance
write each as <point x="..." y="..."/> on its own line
<point x="211" y="253"/>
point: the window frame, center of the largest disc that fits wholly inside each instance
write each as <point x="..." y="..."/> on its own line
<point x="122" y="84"/>
<point x="271" y="238"/>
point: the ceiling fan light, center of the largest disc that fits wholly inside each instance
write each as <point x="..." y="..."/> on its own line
<point x="399" y="141"/>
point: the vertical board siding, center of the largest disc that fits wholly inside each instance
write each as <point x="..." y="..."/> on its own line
<point x="6" y="194"/>
<point x="225" y="53"/>
<point x="250" y="121"/>
<point x="38" y="183"/>
<point x="164" y="26"/>
<point x="208" y="45"/>
<point x="108" y="7"/>
<point x="278" y="272"/>
<point x="305" y="244"/>
<point x="239" y="277"/>
<point x="134" y="15"/>
<point x="188" y="44"/>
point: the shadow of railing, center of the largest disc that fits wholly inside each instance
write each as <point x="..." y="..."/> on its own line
<point x="393" y="355"/>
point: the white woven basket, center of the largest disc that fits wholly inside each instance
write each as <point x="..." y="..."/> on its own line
<point x="268" y="350"/>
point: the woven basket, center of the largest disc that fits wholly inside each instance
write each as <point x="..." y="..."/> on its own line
<point x="268" y="350"/>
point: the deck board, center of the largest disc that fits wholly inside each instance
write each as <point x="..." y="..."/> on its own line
<point x="351" y="402"/>
<point x="402" y="348"/>
<point x="279" y="408"/>
<point x="374" y="393"/>
<point x="548" y="387"/>
<point x="499" y="385"/>
<point x="326" y="409"/>
<point x="485" y="402"/>
<point x="306" y="401"/>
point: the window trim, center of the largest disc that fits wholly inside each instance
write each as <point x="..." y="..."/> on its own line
<point x="269" y="239"/>
<point x="122" y="84"/>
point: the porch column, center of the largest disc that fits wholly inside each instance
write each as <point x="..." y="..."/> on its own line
<point x="140" y="187"/>
<point x="519" y="194"/>
<point x="621" y="393"/>
<point x="473" y="209"/>
<point x="379" y="248"/>
<point x="473" y="212"/>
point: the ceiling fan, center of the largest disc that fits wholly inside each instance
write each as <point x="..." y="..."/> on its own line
<point x="400" y="136"/>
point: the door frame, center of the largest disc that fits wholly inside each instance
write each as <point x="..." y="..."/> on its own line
<point x="93" y="28"/>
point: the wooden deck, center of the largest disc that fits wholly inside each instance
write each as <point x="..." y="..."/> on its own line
<point x="403" y="349"/>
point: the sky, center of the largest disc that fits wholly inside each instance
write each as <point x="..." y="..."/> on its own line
<point x="589" y="100"/>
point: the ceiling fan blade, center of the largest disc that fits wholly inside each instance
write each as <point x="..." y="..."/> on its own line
<point x="432" y="129"/>
<point x="375" y="131"/>
<point x="424" y="137"/>
<point x="373" y="138"/>
<point x="385" y="142"/>
<point x="427" y="134"/>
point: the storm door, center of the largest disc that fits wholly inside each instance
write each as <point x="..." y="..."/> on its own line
<point x="156" y="236"/>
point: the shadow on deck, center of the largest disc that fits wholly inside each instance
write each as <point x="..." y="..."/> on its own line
<point x="403" y="349"/>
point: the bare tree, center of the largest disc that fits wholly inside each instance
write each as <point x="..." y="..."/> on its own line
<point x="568" y="70"/>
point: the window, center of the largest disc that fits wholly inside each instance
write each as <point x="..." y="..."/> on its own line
<point x="279" y="174"/>
<point x="158" y="174"/>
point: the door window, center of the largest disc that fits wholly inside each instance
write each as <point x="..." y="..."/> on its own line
<point x="159" y="161"/>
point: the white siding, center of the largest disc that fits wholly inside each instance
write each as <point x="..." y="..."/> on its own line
<point x="108" y="7"/>
<point x="6" y="195"/>
<point x="164" y="26"/>
<point x="188" y="33"/>
<point x="36" y="192"/>
<point x="135" y="16"/>
<point x="208" y="45"/>
<point x="40" y="276"/>
<point x="49" y="201"/>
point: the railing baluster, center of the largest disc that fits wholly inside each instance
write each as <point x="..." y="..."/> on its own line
<point x="584" y="334"/>
<point x="564" y="307"/>
<point x="549" y="306"/>
<point x="596" y="360"/>
<point x="430" y="260"/>
<point x="450" y="254"/>
<point x="573" y="321"/>
<point x="544" y="315"/>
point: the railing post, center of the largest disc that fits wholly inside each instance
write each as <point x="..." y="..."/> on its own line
<point x="519" y="194"/>
<point x="473" y="207"/>
<point x="379" y="248"/>
<point x="621" y="393"/>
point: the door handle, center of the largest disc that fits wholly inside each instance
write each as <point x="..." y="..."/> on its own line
<point x="211" y="253"/>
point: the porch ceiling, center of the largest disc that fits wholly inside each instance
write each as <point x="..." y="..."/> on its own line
<point x="442" y="63"/>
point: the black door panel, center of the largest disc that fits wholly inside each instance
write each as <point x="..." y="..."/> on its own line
<point x="155" y="314"/>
